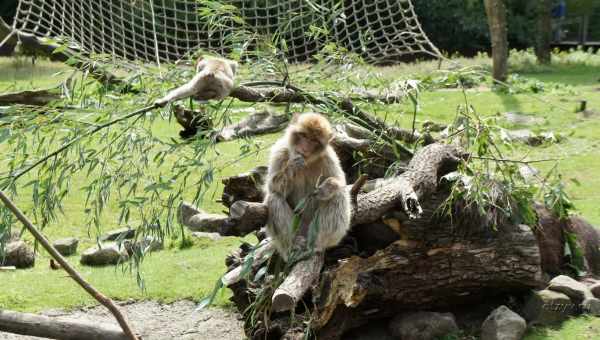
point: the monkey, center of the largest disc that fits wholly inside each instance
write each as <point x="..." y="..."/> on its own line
<point x="213" y="80"/>
<point x="303" y="165"/>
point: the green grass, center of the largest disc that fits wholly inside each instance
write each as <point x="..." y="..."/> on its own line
<point x="175" y="274"/>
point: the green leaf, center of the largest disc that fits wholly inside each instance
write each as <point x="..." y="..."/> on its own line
<point x="207" y="301"/>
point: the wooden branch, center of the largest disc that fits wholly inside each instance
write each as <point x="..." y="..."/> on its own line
<point x="247" y="186"/>
<point x="79" y="137"/>
<point x="407" y="190"/>
<point x="98" y="72"/>
<point x="30" y="97"/>
<point x="259" y="123"/>
<point x="302" y="276"/>
<point x="54" y="328"/>
<point x="263" y="252"/>
<point x="104" y="300"/>
<point x="198" y="220"/>
<point x="304" y="271"/>
<point x="356" y="187"/>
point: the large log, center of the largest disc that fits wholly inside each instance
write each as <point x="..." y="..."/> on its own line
<point x="411" y="275"/>
<point x="30" y="97"/>
<point x="53" y="328"/>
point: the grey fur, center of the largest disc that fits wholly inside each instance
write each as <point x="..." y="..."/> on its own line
<point x="287" y="185"/>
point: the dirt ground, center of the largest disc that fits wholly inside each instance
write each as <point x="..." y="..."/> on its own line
<point x="155" y="321"/>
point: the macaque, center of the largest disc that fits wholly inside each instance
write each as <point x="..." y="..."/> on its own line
<point x="303" y="166"/>
<point x="213" y="80"/>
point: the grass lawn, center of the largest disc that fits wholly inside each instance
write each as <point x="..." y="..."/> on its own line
<point x="190" y="273"/>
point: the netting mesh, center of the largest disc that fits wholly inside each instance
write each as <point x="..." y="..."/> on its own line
<point x="168" y="30"/>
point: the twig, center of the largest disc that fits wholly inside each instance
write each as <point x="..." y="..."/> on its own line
<point x="360" y="182"/>
<point x="503" y="160"/>
<point x="104" y="300"/>
<point x="78" y="138"/>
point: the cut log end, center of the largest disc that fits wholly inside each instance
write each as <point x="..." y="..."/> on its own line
<point x="282" y="301"/>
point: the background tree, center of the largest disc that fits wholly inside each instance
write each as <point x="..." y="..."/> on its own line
<point x="496" y="14"/>
<point x="544" y="31"/>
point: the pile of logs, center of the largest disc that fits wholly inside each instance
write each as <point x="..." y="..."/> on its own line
<point x="404" y="251"/>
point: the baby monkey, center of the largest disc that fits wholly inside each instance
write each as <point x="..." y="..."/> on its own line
<point x="303" y="165"/>
<point x="213" y="80"/>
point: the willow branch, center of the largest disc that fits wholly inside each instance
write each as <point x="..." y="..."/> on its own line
<point x="80" y="137"/>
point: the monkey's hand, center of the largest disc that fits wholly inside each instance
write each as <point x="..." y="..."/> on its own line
<point x="329" y="188"/>
<point x="295" y="164"/>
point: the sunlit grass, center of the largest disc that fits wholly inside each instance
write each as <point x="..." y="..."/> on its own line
<point x="175" y="274"/>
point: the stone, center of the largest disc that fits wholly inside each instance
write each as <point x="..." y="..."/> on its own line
<point x="147" y="244"/>
<point x="66" y="246"/>
<point x="519" y="118"/>
<point x="591" y="306"/>
<point x="210" y="236"/>
<point x="503" y="324"/>
<point x="570" y="287"/>
<point x="19" y="255"/>
<point x="547" y="307"/>
<point x="595" y="289"/>
<point x="422" y="325"/>
<point x="107" y="253"/>
<point x="121" y="233"/>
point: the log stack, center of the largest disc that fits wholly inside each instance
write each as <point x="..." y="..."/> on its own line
<point x="408" y="250"/>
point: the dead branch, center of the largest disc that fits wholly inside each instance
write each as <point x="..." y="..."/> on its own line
<point x="45" y="327"/>
<point x="30" y="97"/>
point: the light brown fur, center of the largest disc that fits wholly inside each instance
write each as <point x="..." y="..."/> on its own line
<point x="289" y="181"/>
<point x="214" y="79"/>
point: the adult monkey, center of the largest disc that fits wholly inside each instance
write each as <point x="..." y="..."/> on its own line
<point x="304" y="167"/>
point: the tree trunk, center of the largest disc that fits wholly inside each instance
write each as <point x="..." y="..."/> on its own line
<point x="45" y="327"/>
<point x="544" y="31"/>
<point x="496" y="14"/>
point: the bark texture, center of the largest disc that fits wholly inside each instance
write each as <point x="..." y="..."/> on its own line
<point x="45" y="327"/>
<point x="496" y="16"/>
<point x="544" y="31"/>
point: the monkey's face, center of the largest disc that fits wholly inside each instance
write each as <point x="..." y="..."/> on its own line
<point x="306" y="146"/>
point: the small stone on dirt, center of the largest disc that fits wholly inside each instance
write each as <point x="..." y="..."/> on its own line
<point x="503" y="324"/>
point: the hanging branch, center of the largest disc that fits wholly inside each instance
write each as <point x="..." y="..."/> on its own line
<point x="104" y="300"/>
<point x="78" y="138"/>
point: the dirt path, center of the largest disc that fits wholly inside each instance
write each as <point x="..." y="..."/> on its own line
<point x="155" y="321"/>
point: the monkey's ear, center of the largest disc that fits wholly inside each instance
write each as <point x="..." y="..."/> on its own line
<point x="234" y="66"/>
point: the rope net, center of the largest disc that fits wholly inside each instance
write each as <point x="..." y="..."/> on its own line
<point x="159" y="31"/>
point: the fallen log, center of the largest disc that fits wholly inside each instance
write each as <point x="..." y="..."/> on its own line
<point x="40" y="97"/>
<point x="56" y="328"/>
